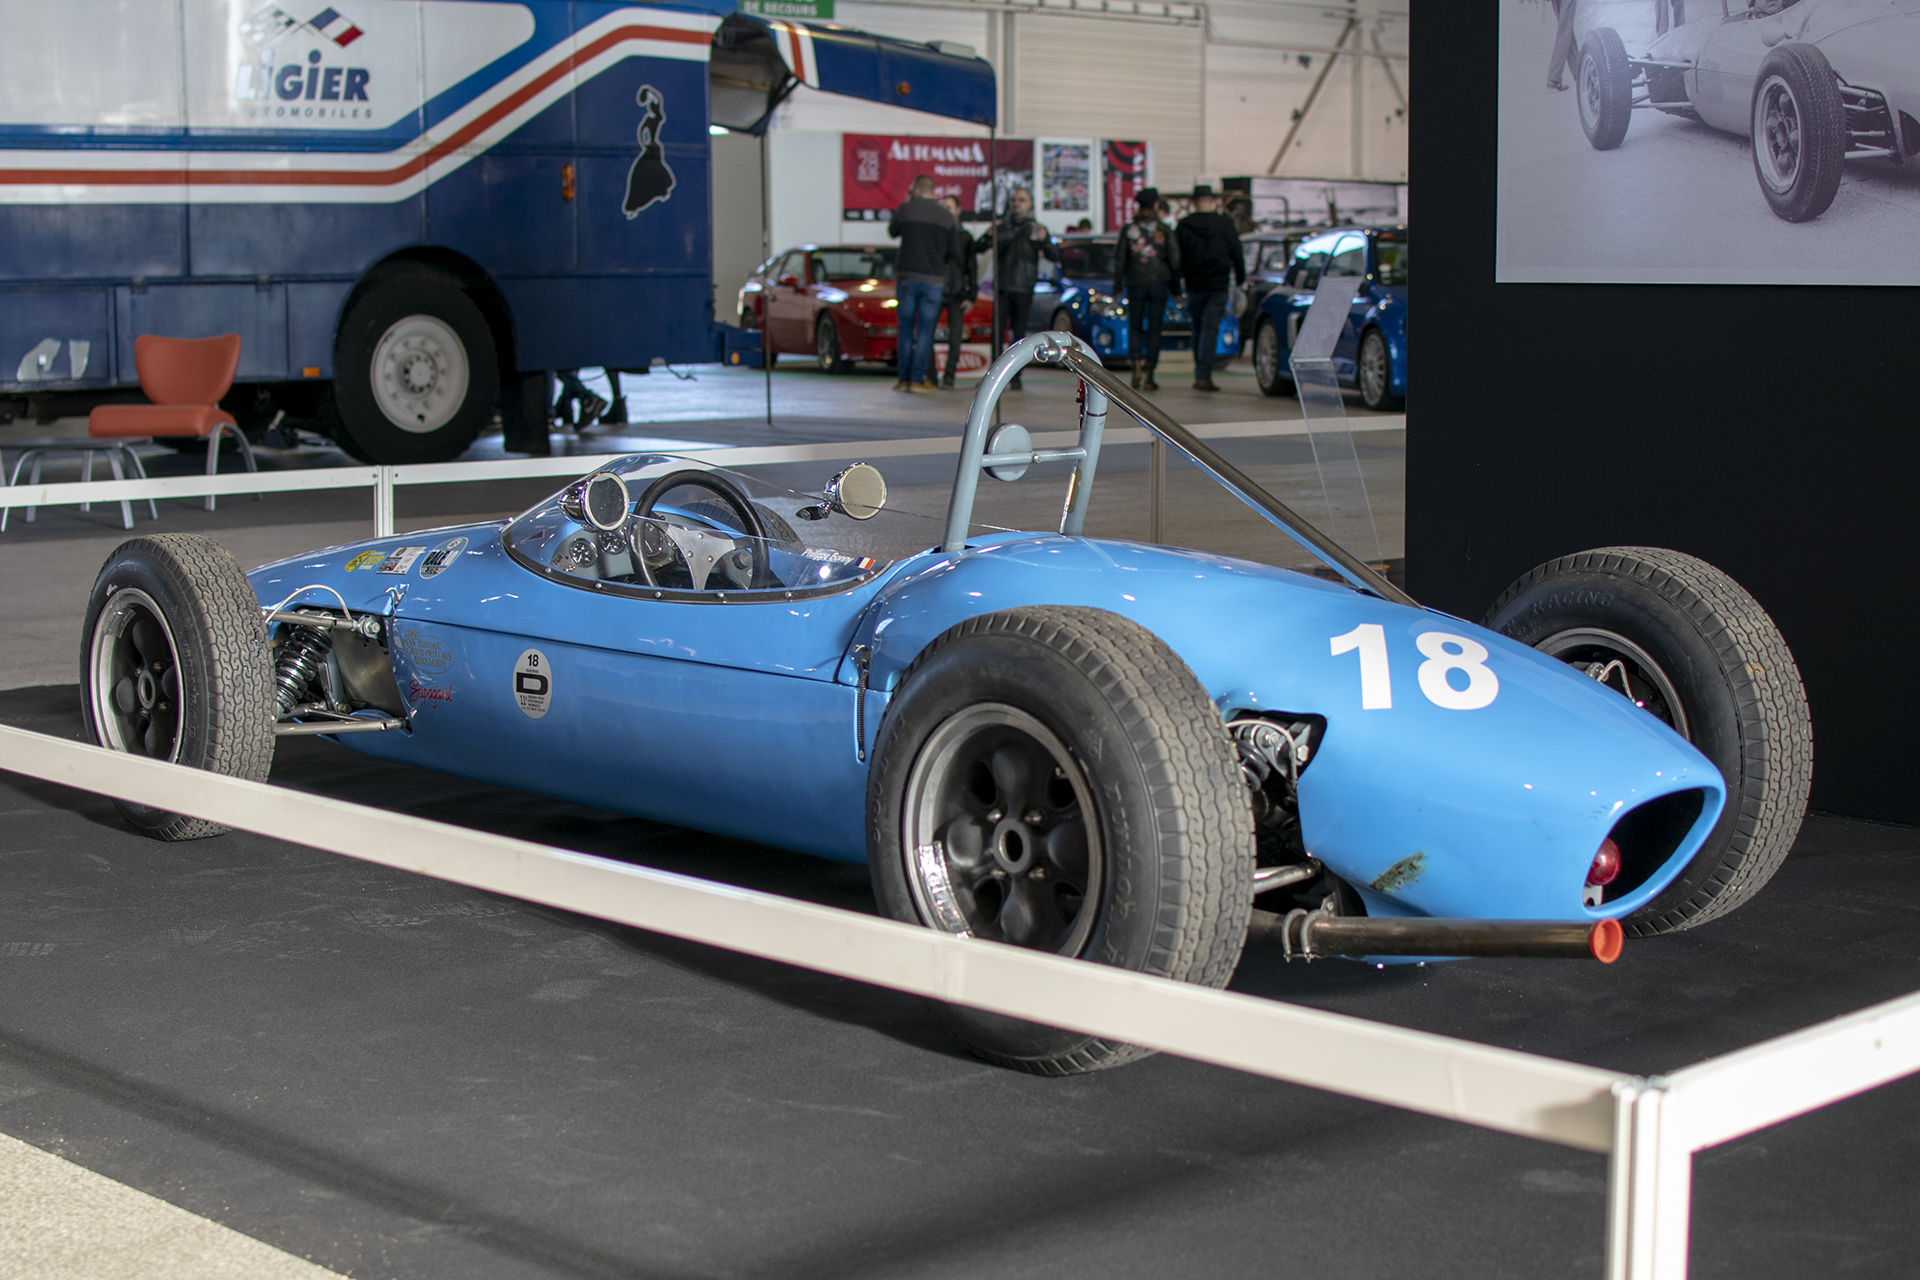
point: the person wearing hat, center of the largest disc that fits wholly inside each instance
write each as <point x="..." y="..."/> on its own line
<point x="1146" y="268"/>
<point x="1212" y="262"/>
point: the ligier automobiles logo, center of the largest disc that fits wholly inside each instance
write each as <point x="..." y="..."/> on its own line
<point x="295" y="87"/>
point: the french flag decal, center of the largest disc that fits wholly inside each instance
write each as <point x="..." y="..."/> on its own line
<point x="334" y="25"/>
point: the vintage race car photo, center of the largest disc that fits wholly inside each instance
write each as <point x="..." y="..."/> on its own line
<point x="1812" y="83"/>
<point x="835" y="304"/>
<point x="1136" y="754"/>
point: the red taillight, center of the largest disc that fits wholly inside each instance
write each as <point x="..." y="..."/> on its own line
<point x="1606" y="864"/>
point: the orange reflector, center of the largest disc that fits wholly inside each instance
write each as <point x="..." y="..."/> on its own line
<point x="1604" y="940"/>
<point x="310" y="371"/>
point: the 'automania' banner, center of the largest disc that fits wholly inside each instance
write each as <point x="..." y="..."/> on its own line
<point x="876" y="171"/>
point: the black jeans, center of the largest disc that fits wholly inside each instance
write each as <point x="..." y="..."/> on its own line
<point x="954" y="307"/>
<point x="1206" y="309"/>
<point x="1146" y="315"/>
<point x="1014" y="309"/>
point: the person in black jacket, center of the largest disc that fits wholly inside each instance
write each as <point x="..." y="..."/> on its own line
<point x="1210" y="259"/>
<point x="962" y="287"/>
<point x="1146" y="267"/>
<point x="929" y="240"/>
<point x="1016" y="268"/>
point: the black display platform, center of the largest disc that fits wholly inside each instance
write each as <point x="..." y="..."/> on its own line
<point x="394" y="1076"/>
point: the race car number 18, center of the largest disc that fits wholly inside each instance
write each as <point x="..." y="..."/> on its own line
<point x="533" y="683"/>
<point x="1445" y="652"/>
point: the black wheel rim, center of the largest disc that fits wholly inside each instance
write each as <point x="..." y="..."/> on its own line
<point x="826" y="343"/>
<point x="1624" y="667"/>
<point x="1776" y="135"/>
<point x="134" y="677"/>
<point x="1000" y="840"/>
<point x="1266" y="353"/>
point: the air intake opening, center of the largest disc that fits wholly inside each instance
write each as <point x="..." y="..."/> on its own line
<point x="1648" y="835"/>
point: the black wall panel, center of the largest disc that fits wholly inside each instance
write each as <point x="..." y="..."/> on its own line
<point x="1772" y="431"/>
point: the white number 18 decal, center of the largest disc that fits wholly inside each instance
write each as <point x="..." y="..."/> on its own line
<point x="1445" y="654"/>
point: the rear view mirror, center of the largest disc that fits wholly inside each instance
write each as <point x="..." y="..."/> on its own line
<point x="859" y="493"/>
<point x="790" y="282"/>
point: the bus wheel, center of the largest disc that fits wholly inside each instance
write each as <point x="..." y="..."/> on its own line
<point x="415" y="372"/>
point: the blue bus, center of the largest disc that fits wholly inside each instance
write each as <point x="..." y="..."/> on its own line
<point x="411" y="211"/>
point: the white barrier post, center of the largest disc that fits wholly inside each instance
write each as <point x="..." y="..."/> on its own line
<point x="1649" y="1184"/>
<point x="383" y="502"/>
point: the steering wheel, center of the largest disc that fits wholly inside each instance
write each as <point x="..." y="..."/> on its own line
<point x="656" y="552"/>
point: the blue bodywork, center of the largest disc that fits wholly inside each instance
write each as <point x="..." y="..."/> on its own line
<point x="1100" y="319"/>
<point x="1379" y="305"/>
<point x="735" y="712"/>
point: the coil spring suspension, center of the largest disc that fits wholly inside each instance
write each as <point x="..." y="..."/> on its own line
<point x="300" y="659"/>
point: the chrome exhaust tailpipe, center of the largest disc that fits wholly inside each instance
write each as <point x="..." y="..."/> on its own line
<point x="1312" y="935"/>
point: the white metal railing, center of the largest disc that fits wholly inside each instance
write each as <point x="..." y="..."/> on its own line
<point x="1649" y="1128"/>
<point x="384" y="480"/>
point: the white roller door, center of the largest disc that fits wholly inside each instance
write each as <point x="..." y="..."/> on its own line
<point x="1079" y="77"/>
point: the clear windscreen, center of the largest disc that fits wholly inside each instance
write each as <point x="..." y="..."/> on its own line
<point x="674" y="525"/>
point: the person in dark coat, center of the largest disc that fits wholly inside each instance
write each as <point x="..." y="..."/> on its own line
<point x="929" y="239"/>
<point x="1016" y="269"/>
<point x="1146" y="268"/>
<point x="962" y="287"/>
<point x="1211" y="261"/>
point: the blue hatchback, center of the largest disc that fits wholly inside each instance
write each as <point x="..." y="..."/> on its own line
<point x="1371" y="356"/>
<point x="1080" y="301"/>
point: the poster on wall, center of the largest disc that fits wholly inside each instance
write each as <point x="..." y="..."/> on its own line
<point x="1691" y="142"/>
<point x="1126" y="170"/>
<point x="1066" y="177"/>
<point x="876" y="170"/>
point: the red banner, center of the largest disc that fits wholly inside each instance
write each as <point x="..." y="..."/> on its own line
<point x="1125" y="176"/>
<point x="876" y="170"/>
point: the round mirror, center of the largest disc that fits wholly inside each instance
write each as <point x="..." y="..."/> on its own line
<point x="604" y="501"/>
<point x="1009" y="437"/>
<point x="859" y="492"/>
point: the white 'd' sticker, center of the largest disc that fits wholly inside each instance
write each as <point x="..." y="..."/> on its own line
<point x="533" y="683"/>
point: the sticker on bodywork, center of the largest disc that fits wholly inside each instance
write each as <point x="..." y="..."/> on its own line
<point x="367" y="560"/>
<point x="441" y="558"/>
<point x="400" y="559"/>
<point x="533" y="683"/>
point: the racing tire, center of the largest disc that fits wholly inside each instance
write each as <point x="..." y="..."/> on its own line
<point x="416" y="375"/>
<point x="1700" y="653"/>
<point x="1373" y="371"/>
<point x="174" y="665"/>
<point x="982" y="815"/>
<point x="1799" y="132"/>
<point x="1268" y="361"/>
<point x="1604" y="88"/>
<point x="1062" y="322"/>
<point x="826" y="346"/>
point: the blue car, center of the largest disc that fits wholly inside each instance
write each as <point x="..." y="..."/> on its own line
<point x="1091" y="747"/>
<point x="1079" y="300"/>
<point x="1371" y="356"/>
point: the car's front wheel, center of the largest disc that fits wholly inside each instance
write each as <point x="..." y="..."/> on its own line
<point x="174" y="666"/>
<point x="1604" y="88"/>
<point x="1799" y="132"/>
<point x="1269" y="360"/>
<point x="1684" y="641"/>
<point x="1055" y="778"/>
<point x="1374" y="372"/>
<point x="826" y="345"/>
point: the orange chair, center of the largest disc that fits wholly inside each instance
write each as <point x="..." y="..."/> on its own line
<point x="185" y="378"/>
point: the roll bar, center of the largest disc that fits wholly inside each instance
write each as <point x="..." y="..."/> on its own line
<point x="1100" y="386"/>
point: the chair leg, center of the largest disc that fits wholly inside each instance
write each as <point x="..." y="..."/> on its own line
<point x="139" y="469"/>
<point x="33" y="477"/>
<point x="213" y="459"/>
<point x="6" y="508"/>
<point x="119" y="473"/>
<point x="86" y="477"/>
<point x="246" y="452"/>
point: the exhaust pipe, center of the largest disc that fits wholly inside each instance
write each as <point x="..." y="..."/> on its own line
<point x="1313" y="934"/>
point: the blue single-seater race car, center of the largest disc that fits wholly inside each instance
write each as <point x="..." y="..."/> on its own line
<point x="1079" y="300"/>
<point x="1371" y="354"/>
<point x="1099" y="748"/>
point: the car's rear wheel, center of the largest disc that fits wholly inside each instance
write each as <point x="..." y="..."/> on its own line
<point x="415" y="371"/>
<point x="826" y="345"/>
<point x="1269" y="364"/>
<point x="1056" y="778"/>
<point x="1604" y="88"/>
<point x="1063" y="322"/>
<point x="1799" y="132"/>
<point x="1374" y="372"/>
<point x="174" y="666"/>
<point x="1686" y="642"/>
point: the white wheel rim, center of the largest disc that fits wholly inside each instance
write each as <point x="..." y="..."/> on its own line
<point x="1266" y="352"/>
<point x="1373" y="368"/>
<point x="1776" y="135"/>
<point x="420" y="374"/>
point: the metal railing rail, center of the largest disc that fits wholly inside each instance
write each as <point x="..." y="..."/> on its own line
<point x="1649" y="1127"/>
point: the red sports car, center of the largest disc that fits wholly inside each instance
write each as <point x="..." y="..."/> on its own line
<point x="835" y="303"/>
